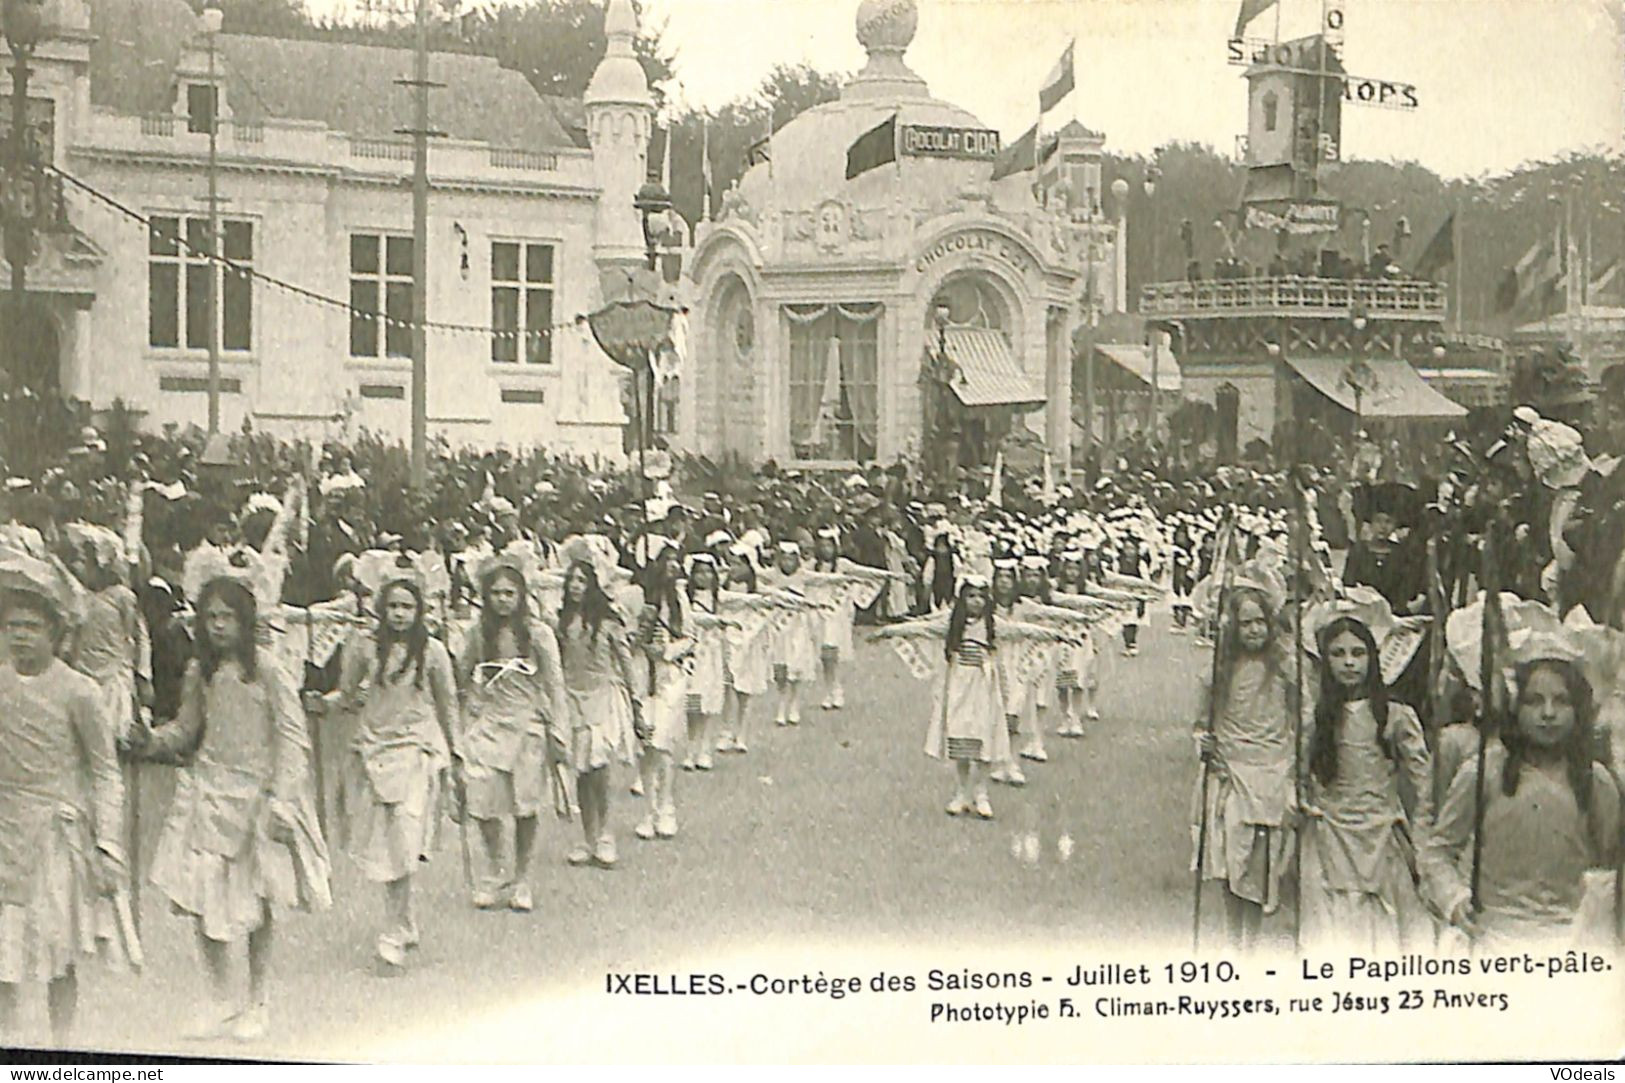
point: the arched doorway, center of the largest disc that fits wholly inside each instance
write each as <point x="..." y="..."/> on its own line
<point x="962" y="436"/>
<point x="30" y="348"/>
<point x="731" y="395"/>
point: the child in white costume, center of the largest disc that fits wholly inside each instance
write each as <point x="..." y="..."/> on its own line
<point x="511" y="689"/>
<point x="1361" y="844"/>
<point x="666" y="639"/>
<point x="404" y="696"/>
<point x="796" y="645"/>
<point x="971" y="710"/>
<point x="61" y="799"/>
<point x="241" y="834"/>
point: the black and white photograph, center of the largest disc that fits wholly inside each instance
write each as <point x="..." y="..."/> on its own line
<point x="812" y="531"/>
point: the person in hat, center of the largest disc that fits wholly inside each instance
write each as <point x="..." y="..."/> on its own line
<point x="1360" y="839"/>
<point x="1245" y="740"/>
<point x="61" y="801"/>
<point x="111" y="645"/>
<point x="511" y="690"/>
<point x="796" y="642"/>
<point x="1387" y="554"/>
<point x="601" y="708"/>
<point x="1551" y="811"/>
<point x="404" y="697"/>
<point x="747" y="663"/>
<point x="241" y="835"/>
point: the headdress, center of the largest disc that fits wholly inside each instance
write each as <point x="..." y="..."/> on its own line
<point x="789" y="547"/>
<point x="700" y="558"/>
<point x="43" y="579"/>
<point x="1397" y="638"/>
<point x="716" y="538"/>
<point x="1557" y="454"/>
<point x="1541" y="645"/>
<point x="596" y="551"/>
<point x="106" y="545"/>
<point x="262" y="502"/>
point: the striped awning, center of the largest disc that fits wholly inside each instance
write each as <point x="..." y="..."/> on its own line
<point x="1388" y="387"/>
<point x="989" y="375"/>
<point x="1136" y="360"/>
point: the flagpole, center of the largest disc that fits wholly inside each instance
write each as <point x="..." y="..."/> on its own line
<point x="1461" y="263"/>
<point x="705" y="167"/>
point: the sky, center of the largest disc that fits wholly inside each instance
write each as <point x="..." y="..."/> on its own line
<point x="1499" y="82"/>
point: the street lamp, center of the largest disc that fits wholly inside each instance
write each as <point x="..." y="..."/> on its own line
<point x="213" y="19"/>
<point x="24" y="29"/>
<point x="1150" y="185"/>
<point x="652" y="199"/>
<point x="1358" y="375"/>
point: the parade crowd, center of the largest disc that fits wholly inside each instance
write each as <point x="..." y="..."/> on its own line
<point x="1407" y="744"/>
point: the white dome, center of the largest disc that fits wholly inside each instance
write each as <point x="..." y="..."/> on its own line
<point x="619" y="77"/>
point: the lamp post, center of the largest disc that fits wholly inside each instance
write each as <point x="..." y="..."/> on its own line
<point x="1151" y="177"/>
<point x="213" y="18"/>
<point x="24" y="29"/>
<point x="1358" y="373"/>
<point x="652" y="199"/>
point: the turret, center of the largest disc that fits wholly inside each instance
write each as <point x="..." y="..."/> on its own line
<point x="620" y="114"/>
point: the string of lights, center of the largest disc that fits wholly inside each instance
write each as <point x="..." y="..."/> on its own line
<point x="313" y="296"/>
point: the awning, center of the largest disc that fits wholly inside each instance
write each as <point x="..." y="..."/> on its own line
<point x="1389" y="387"/>
<point x="1136" y="360"/>
<point x="988" y="374"/>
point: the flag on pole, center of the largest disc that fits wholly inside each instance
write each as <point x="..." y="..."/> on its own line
<point x="705" y="169"/>
<point x="1058" y="84"/>
<point x="1250" y="10"/>
<point x="873" y="149"/>
<point x="1020" y="156"/>
<point x="1519" y="282"/>
<point x="1440" y="251"/>
<point x="995" y="495"/>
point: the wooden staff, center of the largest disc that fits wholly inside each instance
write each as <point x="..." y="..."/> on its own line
<point x="316" y="738"/>
<point x="1222" y="567"/>
<point x="1438" y="603"/>
<point x="1490" y="574"/>
<point x="1300" y="538"/>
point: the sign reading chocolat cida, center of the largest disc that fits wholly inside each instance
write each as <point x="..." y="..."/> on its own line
<point x="930" y="141"/>
<point x="982" y="241"/>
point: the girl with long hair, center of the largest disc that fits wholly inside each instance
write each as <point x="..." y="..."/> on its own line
<point x="1551" y="812"/>
<point x="795" y="650"/>
<point x="1247" y="759"/>
<point x="705" y="687"/>
<point x="1077" y="679"/>
<point x="241" y="834"/>
<point x="666" y="638"/>
<point x="970" y="712"/>
<point x="1360" y="840"/>
<point x="596" y="730"/>
<point x="404" y="699"/>
<point x="511" y="691"/>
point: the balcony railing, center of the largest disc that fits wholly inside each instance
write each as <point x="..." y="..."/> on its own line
<point x="503" y="158"/>
<point x="1324" y="297"/>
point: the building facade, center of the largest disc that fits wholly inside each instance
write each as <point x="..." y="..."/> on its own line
<point x="821" y="300"/>
<point x="530" y="227"/>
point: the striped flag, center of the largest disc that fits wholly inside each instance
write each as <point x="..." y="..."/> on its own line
<point x="1250" y="10"/>
<point x="1060" y="81"/>
<point x="1018" y="157"/>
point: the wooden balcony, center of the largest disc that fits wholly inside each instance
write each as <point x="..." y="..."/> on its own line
<point x="1299" y="298"/>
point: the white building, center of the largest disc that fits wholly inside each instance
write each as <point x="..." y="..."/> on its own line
<point x="819" y="298"/>
<point x="530" y="221"/>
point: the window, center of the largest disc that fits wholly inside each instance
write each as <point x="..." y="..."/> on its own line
<point x="380" y="284"/>
<point x="834" y="380"/>
<point x="1271" y="107"/>
<point x="521" y="298"/>
<point x="201" y="99"/>
<point x="178" y="284"/>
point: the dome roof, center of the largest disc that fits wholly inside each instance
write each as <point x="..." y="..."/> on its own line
<point x="809" y="153"/>
<point x="619" y="76"/>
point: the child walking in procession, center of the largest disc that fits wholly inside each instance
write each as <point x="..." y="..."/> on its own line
<point x="665" y="637"/>
<point x="746" y="664"/>
<point x="1245" y="789"/>
<point x="705" y="687"/>
<point x="511" y="689"/>
<point x="61" y="801"/>
<point x="600" y="711"/>
<point x="1551" y="812"/>
<point x="796" y="653"/>
<point x="404" y="699"/>
<point x="1361" y="844"/>
<point x="241" y="836"/>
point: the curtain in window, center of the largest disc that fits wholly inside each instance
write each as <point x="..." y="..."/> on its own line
<point x="834" y="380"/>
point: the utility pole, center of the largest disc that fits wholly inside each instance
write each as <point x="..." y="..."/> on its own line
<point x="213" y="17"/>
<point x="420" y="248"/>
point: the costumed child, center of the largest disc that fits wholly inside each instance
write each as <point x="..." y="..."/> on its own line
<point x="666" y="639"/>
<point x="795" y="653"/>
<point x="61" y="800"/>
<point x="1245" y="730"/>
<point x="706" y="682"/>
<point x="403" y="694"/>
<point x="596" y="730"/>
<point x="747" y="665"/>
<point x="1551" y="812"/>
<point x="241" y="836"/>
<point x="970" y="713"/>
<point x="511" y="691"/>
<point x="1361" y="843"/>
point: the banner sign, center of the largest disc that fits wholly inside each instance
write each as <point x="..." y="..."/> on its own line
<point x="1296" y="58"/>
<point x="929" y="141"/>
<point x="1297" y="218"/>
